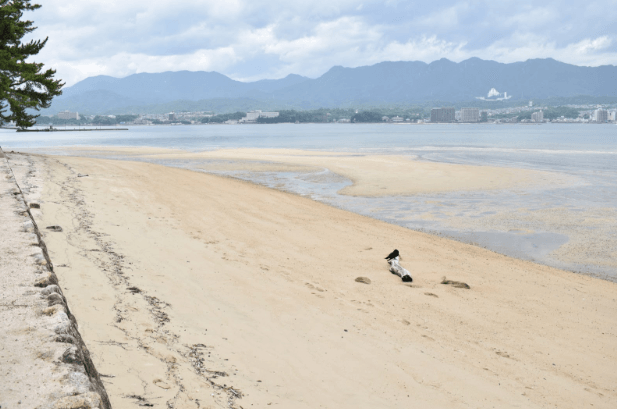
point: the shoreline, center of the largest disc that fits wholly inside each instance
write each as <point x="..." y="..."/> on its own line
<point x="444" y="199"/>
<point x="164" y="260"/>
<point x="355" y="123"/>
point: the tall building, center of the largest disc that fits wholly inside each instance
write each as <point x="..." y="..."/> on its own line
<point x="442" y="114"/>
<point x="612" y="116"/>
<point x="68" y="115"/>
<point x="470" y="114"/>
<point x="601" y="115"/>
<point x="537" y="116"/>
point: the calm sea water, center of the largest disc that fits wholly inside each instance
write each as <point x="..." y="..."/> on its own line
<point x="573" y="227"/>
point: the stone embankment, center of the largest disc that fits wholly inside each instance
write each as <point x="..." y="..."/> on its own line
<point x="44" y="362"/>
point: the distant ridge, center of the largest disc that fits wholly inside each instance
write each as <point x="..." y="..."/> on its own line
<point x="403" y="82"/>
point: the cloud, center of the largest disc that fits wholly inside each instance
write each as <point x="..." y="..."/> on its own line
<point x="257" y="39"/>
<point x="588" y="46"/>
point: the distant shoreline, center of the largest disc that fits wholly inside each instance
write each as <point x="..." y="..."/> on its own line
<point x="111" y="128"/>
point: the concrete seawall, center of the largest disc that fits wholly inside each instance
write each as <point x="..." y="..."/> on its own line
<point x="44" y="362"/>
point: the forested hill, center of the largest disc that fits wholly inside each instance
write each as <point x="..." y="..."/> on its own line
<point x="384" y="83"/>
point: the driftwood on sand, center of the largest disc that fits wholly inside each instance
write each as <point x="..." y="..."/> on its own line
<point x="395" y="268"/>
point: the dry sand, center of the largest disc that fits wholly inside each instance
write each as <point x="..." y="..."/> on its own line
<point x="186" y="285"/>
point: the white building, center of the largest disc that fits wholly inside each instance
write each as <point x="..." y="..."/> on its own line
<point x="601" y="115"/>
<point x="397" y="119"/>
<point x="537" y="116"/>
<point x="470" y="114"/>
<point x="68" y="115"/>
<point x="612" y="116"/>
<point x="254" y="115"/>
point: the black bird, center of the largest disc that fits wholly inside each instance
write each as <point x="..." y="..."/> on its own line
<point x="392" y="255"/>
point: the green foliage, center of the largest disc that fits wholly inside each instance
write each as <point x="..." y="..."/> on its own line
<point x="223" y="117"/>
<point x="126" y="118"/>
<point x="54" y="120"/>
<point x="552" y="113"/>
<point x="297" y="116"/>
<point x="367" y="116"/>
<point x="23" y="86"/>
<point x="557" y="112"/>
<point x="103" y="120"/>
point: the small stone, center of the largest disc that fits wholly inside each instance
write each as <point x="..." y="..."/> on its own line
<point x="35" y="206"/>
<point x="455" y="284"/>
<point x="54" y="228"/>
<point x="88" y="400"/>
<point x="54" y="309"/>
<point x="51" y="289"/>
<point x="46" y="279"/>
<point x="67" y="339"/>
<point x="55" y="299"/>
<point x="71" y="356"/>
<point x="364" y="280"/>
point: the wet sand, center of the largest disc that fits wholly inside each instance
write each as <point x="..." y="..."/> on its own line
<point x="371" y="175"/>
<point x="194" y="290"/>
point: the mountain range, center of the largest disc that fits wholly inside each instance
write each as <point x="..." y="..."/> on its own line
<point x="399" y="83"/>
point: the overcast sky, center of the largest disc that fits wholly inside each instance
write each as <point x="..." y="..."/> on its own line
<point x="250" y="40"/>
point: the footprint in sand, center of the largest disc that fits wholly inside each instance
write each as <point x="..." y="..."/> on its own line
<point x="313" y="287"/>
<point x="161" y="384"/>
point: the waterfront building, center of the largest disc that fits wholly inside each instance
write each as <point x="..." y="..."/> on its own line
<point x="470" y="114"/>
<point x="443" y="114"/>
<point x="537" y="116"/>
<point x="601" y="115"/>
<point x="68" y="115"/>
<point x="252" y="116"/>
<point x="269" y="114"/>
<point x="612" y="116"/>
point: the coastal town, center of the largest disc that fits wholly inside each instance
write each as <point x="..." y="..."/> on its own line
<point x="586" y="114"/>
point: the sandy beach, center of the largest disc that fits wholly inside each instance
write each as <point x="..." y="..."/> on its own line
<point x="194" y="290"/>
<point x="371" y="175"/>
